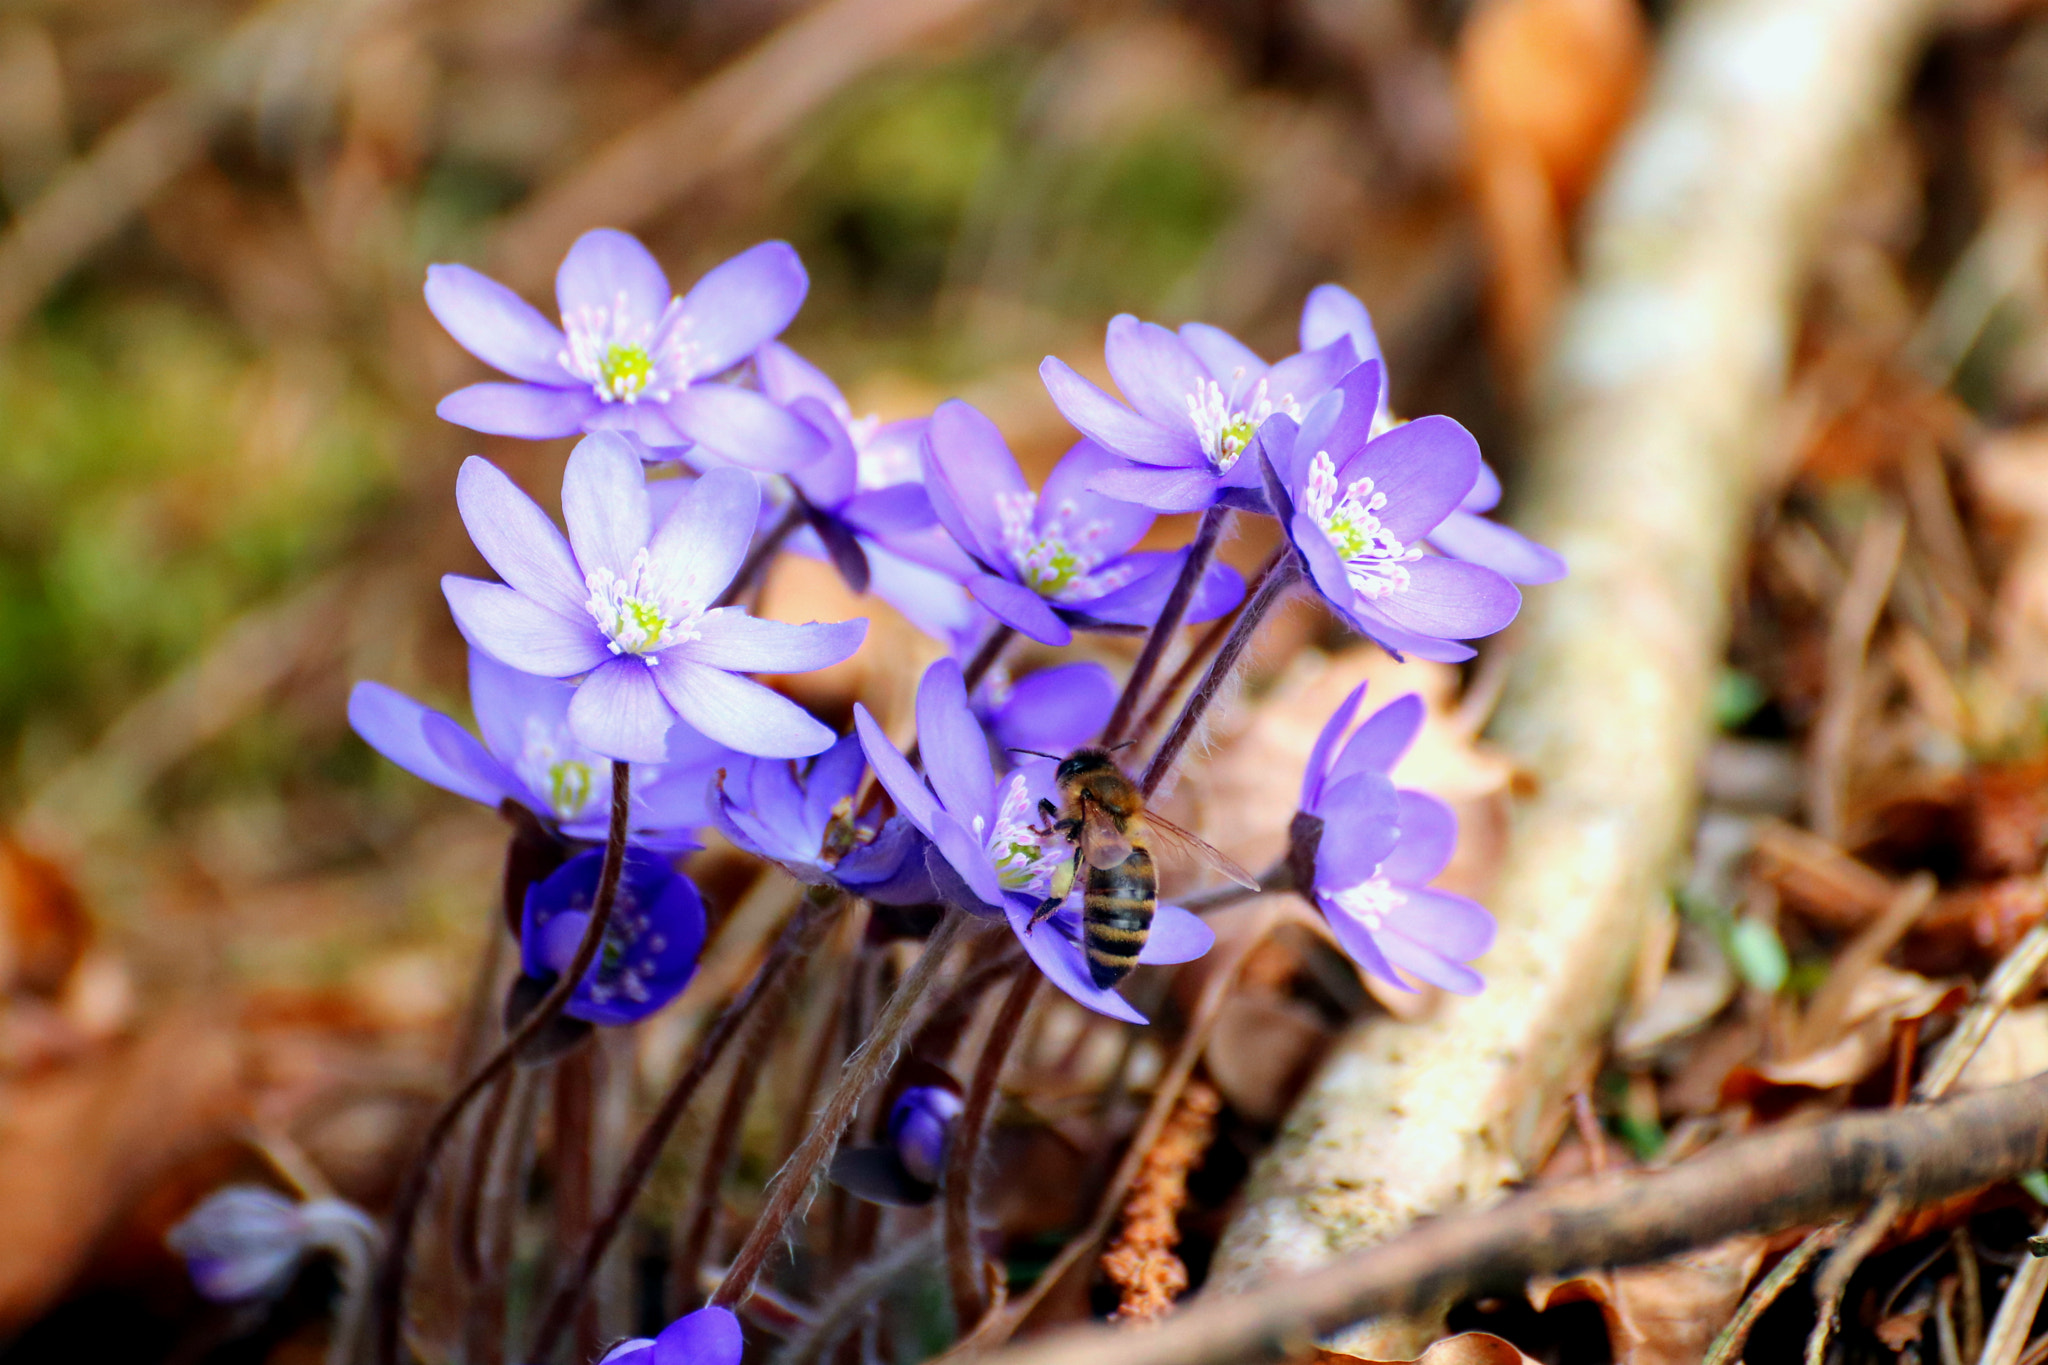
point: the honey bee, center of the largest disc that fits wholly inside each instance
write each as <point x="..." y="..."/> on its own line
<point x="1104" y="817"/>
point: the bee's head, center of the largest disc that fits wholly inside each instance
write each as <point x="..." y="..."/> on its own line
<point x="1082" y="762"/>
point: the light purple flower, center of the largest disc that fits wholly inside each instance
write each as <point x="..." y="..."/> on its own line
<point x="806" y="825"/>
<point x="629" y="355"/>
<point x="709" y="1336"/>
<point x="1358" y="509"/>
<point x="245" y="1242"/>
<point x="529" y="755"/>
<point x="1193" y="400"/>
<point x="1059" y="557"/>
<point x="987" y="856"/>
<point x="1373" y="850"/>
<point x="650" y="945"/>
<point x="625" y="607"/>
<point x="1052" y="711"/>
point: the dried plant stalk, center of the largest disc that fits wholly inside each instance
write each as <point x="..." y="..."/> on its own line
<point x="1642" y="470"/>
<point x="1141" y="1263"/>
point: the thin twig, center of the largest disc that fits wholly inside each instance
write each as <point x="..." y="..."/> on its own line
<point x="964" y="1265"/>
<point x="1200" y="552"/>
<point x="1728" y="1345"/>
<point x="1856" y="615"/>
<point x="792" y="1184"/>
<point x="2015" y="1317"/>
<point x="389" y="1301"/>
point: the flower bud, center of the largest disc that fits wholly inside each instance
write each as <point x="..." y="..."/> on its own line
<point x="245" y="1242"/>
<point x="920" y="1125"/>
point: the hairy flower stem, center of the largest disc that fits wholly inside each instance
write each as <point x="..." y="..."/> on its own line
<point x="483" y="1332"/>
<point x="1274" y="580"/>
<point x="466" y="1219"/>
<point x="985" y="658"/>
<point x="389" y="1293"/>
<point x="964" y="1265"/>
<point x="1200" y="553"/>
<point x="574" y="1119"/>
<point x="693" y="1230"/>
<point x="756" y="562"/>
<point x="1198" y="655"/>
<point x="868" y="1065"/>
<point x="797" y="939"/>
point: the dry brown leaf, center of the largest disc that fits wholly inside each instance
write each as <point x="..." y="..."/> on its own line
<point x="1883" y="999"/>
<point x="1692" y="992"/>
<point x="43" y="925"/>
<point x="2015" y="1049"/>
<point x="1466" y="1348"/>
<point x="1667" y="1313"/>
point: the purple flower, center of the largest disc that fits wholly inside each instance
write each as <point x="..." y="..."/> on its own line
<point x="709" y="1336"/>
<point x="1358" y="507"/>
<point x="529" y="755"/>
<point x="650" y="945"/>
<point x="1056" y="558"/>
<point x="625" y="607"/>
<point x="988" y="857"/>
<point x="806" y="825"/>
<point x="629" y="355"/>
<point x="1366" y="851"/>
<point x="246" y="1241"/>
<point x="906" y="1169"/>
<point x="1053" y="711"/>
<point x="1193" y="400"/>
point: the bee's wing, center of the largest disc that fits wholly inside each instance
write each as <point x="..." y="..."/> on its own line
<point x="1173" y="838"/>
<point x="1102" y="843"/>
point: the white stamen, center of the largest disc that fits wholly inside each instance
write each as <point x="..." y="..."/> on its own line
<point x="1374" y="560"/>
<point x="625" y="358"/>
<point x="1372" y="902"/>
<point x="1225" y="432"/>
<point x="1017" y="852"/>
<point x="643" y="612"/>
<point x="1058" y="561"/>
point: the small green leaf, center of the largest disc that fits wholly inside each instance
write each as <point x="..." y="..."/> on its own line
<point x="2035" y="1183"/>
<point x="1736" y="698"/>
<point x="1758" y="955"/>
<point x="1644" y="1136"/>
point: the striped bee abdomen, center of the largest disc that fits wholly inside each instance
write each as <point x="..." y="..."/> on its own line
<point x="1116" y="917"/>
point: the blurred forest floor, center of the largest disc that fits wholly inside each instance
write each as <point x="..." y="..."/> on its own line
<point x="234" y="941"/>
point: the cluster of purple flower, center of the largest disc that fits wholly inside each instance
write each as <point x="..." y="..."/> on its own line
<point x="626" y="640"/>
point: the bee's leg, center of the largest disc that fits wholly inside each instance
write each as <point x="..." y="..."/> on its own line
<point x="1056" y="894"/>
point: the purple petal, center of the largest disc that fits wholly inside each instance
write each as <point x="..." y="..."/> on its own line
<point x="1016" y="605"/>
<point x="1177" y="936"/>
<point x="1139" y="602"/>
<point x="395" y="726"/>
<point x="704" y="540"/>
<point x="830" y="478"/>
<point x="1451" y="600"/>
<point x="787" y="376"/>
<point x="1366" y="619"/>
<point x="1425" y="467"/>
<point x="732" y="640"/>
<point x="1429" y="835"/>
<point x="968" y="467"/>
<point x="618" y="711"/>
<point x="1229" y="361"/>
<point x="1424" y="964"/>
<point x="899" y="509"/>
<point x="1332" y="311"/>
<point x="516" y="538"/>
<point x="738" y="712"/>
<point x="1455" y="926"/>
<point x="897" y="777"/>
<point x="966" y="853"/>
<point x="741" y="304"/>
<point x="1312" y="777"/>
<point x="516" y="630"/>
<point x="1063" y="963"/>
<point x="496" y="326"/>
<point x="527" y="411"/>
<point x="1162" y="490"/>
<point x="1056" y="709"/>
<point x="506" y="701"/>
<point x="740" y="427"/>
<point x="1360" y="944"/>
<point x="1485" y="494"/>
<point x="1361" y="824"/>
<point x="631" y="1351"/>
<point x="1068" y="510"/>
<point x="834" y="776"/>
<point x="644" y="422"/>
<point x="709" y="1336"/>
<point x="1156" y="370"/>
<point x="1509" y="553"/>
<point x="1311" y="374"/>
<point x="611" y="270"/>
<point x="1115" y="427"/>
<point x="1340" y="421"/>
<point x="604" y="502"/>
<point x="1378" y="744"/>
<point x="955" y="750"/>
<point x="930" y="600"/>
<point x="1325" y="569"/>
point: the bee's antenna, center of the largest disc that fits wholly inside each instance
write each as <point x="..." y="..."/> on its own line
<point x="1034" y="753"/>
<point x="1125" y="745"/>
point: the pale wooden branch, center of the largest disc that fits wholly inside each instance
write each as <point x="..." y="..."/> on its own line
<point x="1785" y="1177"/>
<point x="1642" y="466"/>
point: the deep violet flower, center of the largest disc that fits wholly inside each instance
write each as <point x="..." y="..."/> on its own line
<point x="1193" y="400"/>
<point x="1358" y="507"/>
<point x="629" y="355"/>
<point x="1048" y="560"/>
<point x="245" y="1242"/>
<point x="529" y="755"/>
<point x="1052" y="711"/>
<point x="987" y="856"/>
<point x="906" y="1168"/>
<point x="650" y="946"/>
<point x="1365" y="852"/>
<point x="805" y="824"/>
<point x="709" y="1336"/>
<point x="1332" y="311"/>
<point x="624" y="606"/>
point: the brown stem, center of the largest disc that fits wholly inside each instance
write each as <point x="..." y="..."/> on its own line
<point x="388" y="1295"/>
<point x="1198" y="654"/>
<point x="467" y="1215"/>
<point x="1200" y="552"/>
<point x="798" y="937"/>
<point x="574" y="1084"/>
<point x="822" y="1049"/>
<point x="1273" y="582"/>
<point x="964" y="1264"/>
<point x="1783" y="1178"/>
<point x="867" y="1066"/>
<point x="756" y="562"/>
<point x="985" y="658"/>
<point x="483" y="1332"/>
